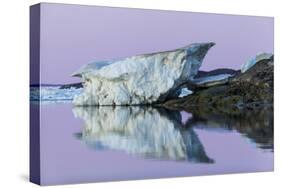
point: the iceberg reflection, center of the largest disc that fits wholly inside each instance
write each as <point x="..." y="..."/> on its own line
<point x="143" y="131"/>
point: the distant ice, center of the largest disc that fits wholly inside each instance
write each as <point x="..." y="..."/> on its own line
<point x="53" y="94"/>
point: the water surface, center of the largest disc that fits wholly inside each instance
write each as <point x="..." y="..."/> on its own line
<point x="87" y="144"/>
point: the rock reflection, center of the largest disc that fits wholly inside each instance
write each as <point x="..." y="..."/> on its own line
<point x="144" y="131"/>
<point x="256" y="124"/>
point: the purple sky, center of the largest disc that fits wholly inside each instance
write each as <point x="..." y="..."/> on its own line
<point x="73" y="35"/>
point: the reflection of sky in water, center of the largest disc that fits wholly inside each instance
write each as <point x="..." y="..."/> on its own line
<point x="185" y="116"/>
<point x="68" y="159"/>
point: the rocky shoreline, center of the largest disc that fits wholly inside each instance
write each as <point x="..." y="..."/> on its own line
<point x="251" y="89"/>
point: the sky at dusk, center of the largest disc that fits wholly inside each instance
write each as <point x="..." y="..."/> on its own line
<point x="74" y="35"/>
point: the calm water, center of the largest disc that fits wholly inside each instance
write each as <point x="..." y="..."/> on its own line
<point x="87" y="144"/>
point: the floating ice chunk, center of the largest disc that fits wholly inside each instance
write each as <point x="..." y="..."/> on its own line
<point x="253" y="61"/>
<point x="140" y="79"/>
<point x="185" y="92"/>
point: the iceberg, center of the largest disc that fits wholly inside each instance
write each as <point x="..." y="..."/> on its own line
<point x="253" y="61"/>
<point x="140" y="79"/>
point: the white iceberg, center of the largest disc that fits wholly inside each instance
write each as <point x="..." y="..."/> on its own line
<point x="253" y="61"/>
<point x="141" y="79"/>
